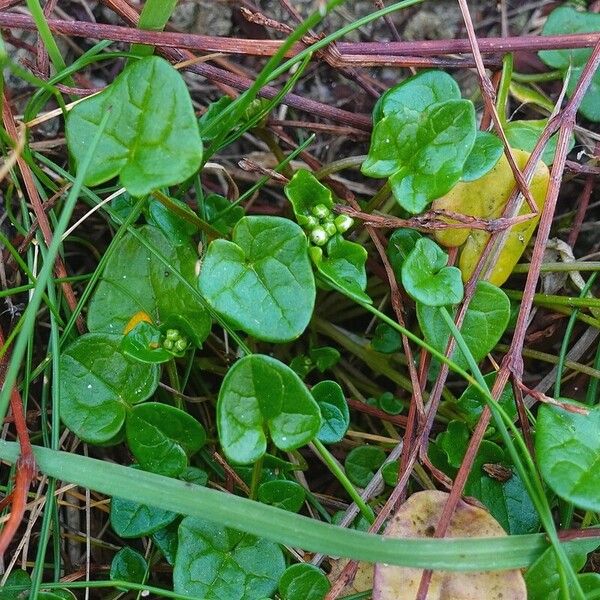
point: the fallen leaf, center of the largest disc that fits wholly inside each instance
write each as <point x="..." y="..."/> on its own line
<point x="418" y="518"/>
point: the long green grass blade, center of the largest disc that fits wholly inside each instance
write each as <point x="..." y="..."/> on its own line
<point x="457" y="554"/>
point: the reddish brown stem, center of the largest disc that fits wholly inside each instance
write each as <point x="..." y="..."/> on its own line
<point x="25" y="466"/>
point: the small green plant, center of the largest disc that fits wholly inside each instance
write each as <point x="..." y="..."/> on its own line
<point x="249" y="360"/>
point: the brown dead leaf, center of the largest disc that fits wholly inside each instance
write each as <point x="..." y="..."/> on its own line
<point x="418" y="517"/>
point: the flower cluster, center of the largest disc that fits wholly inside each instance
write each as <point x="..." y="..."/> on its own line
<point x="322" y="225"/>
<point x="174" y="341"/>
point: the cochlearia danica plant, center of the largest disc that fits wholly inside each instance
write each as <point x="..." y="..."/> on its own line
<point x="285" y="360"/>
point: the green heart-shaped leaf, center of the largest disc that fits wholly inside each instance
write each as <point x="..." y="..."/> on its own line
<point x="568" y="449"/>
<point x="287" y="495"/>
<point x="162" y="437"/>
<point x="305" y="191"/>
<point x="214" y="563"/>
<point x="486" y="152"/>
<point x="483" y="326"/>
<point x="99" y="384"/>
<point x="343" y="265"/>
<point x="334" y="411"/>
<point x="524" y="135"/>
<point x="130" y="519"/>
<point x="303" y="581"/>
<point x="564" y="20"/>
<point x="417" y="93"/>
<point x="261" y="394"/>
<point x="128" y="565"/>
<point x="426" y="277"/>
<point x="422" y="153"/>
<point x="135" y="280"/>
<point x="151" y="139"/>
<point x="261" y="282"/>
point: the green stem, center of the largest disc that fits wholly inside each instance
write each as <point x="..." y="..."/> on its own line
<point x="536" y="489"/>
<point x="154" y="17"/>
<point x="339" y="474"/>
<point x="187" y="215"/>
<point x="557" y="267"/>
<point x="44" y="31"/>
<point x="538" y="77"/>
<point x="256" y="477"/>
<point x="504" y="88"/>
<point x="567" y="337"/>
<point x="174" y="381"/>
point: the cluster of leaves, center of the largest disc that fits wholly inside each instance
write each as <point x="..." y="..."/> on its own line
<point x="258" y="278"/>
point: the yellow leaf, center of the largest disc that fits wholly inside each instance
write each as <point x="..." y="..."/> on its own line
<point x="138" y="317"/>
<point x="486" y="198"/>
<point x="418" y="518"/>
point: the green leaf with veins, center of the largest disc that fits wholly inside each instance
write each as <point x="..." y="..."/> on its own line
<point x="303" y="581"/>
<point x="524" y="135"/>
<point x="343" y="265"/>
<point x="305" y="191"/>
<point x="132" y="520"/>
<point x="565" y="20"/>
<point x="543" y="577"/>
<point x="221" y="214"/>
<point x="261" y="282"/>
<point x="162" y="437"/>
<point x="177" y="229"/>
<point x="288" y="495"/>
<point x="135" y="280"/>
<point x="166" y="540"/>
<point x="334" y="411"/>
<point x="471" y="402"/>
<point x="424" y="153"/>
<point x="400" y="244"/>
<point x="417" y="93"/>
<point x="504" y="495"/>
<point x="98" y="386"/>
<point x="568" y="449"/>
<point x="215" y="562"/>
<point x="128" y="565"/>
<point x="258" y="395"/>
<point x="361" y="464"/>
<point x="483" y="326"/>
<point x="151" y="140"/>
<point x="143" y="343"/>
<point x="486" y="152"/>
<point x="426" y="277"/>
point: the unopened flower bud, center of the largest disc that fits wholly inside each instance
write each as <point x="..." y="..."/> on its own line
<point x="320" y="211"/>
<point x="319" y="236"/>
<point x="343" y="223"/>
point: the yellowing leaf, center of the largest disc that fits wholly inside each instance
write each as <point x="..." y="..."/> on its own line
<point x="418" y="518"/>
<point x="486" y="198"/>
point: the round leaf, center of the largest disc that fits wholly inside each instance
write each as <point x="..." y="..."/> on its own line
<point x="162" y="437"/>
<point x="214" y="563"/>
<point x="135" y="280"/>
<point x="343" y="265"/>
<point x="303" y="582"/>
<point x="568" y="450"/>
<point x="261" y="394"/>
<point x="485" y="322"/>
<point x="426" y="277"/>
<point x="417" y="93"/>
<point x="334" y="411"/>
<point x="288" y="495"/>
<point x="261" y="281"/>
<point x="418" y="518"/>
<point x="524" y="135"/>
<point x="423" y="153"/>
<point x="98" y="384"/>
<point x="151" y="139"/>
<point x="128" y="565"/>
<point x="362" y="463"/>
<point x="131" y="519"/>
<point x="485" y="154"/>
